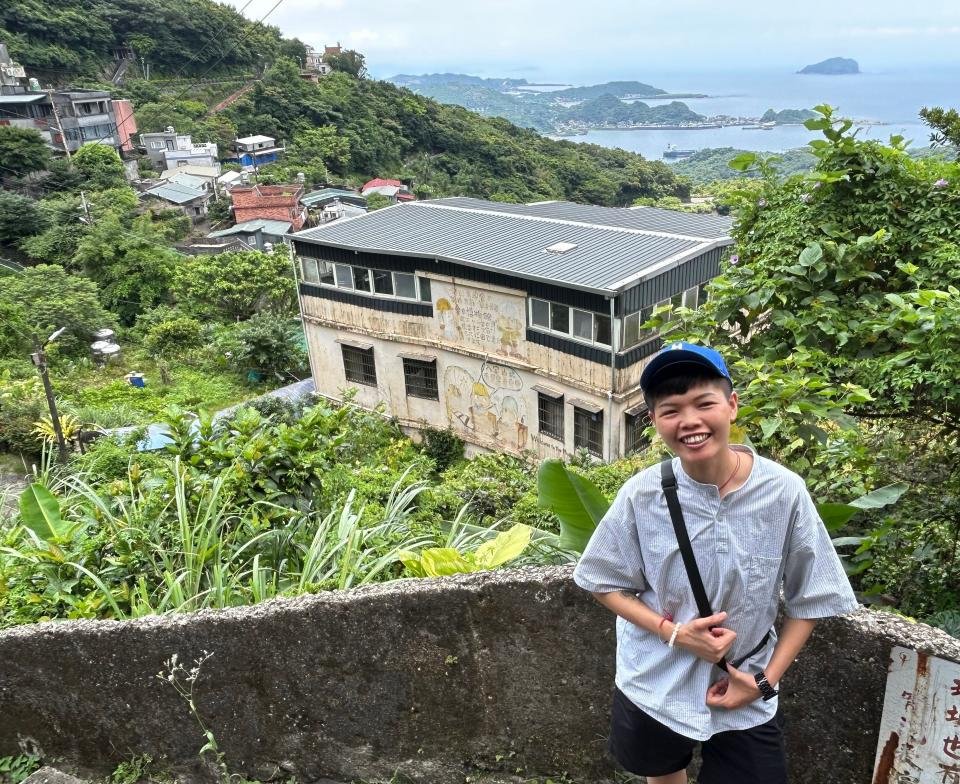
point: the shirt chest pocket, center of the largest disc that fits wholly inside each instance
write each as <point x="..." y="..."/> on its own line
<point x="762" y="580"/>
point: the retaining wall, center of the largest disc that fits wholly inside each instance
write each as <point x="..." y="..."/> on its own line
<point x="507" y="672"/>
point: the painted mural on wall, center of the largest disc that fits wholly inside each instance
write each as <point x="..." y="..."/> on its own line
<point x="488" y="403"/>
<point x="491" y="321"/>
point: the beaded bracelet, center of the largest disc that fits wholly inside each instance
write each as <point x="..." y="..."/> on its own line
<point x="673" y="635"/>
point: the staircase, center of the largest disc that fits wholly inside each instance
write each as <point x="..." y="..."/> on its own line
<point x="233" y="97"/>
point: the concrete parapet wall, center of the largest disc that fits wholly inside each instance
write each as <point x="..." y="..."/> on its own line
<point x="508" y="671"/>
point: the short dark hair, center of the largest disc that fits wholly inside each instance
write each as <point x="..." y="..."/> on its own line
<point x="681" y="383"/>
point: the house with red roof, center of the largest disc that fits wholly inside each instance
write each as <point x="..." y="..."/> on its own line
<point x="269" y="202"/>
<point x="393" y="189"/>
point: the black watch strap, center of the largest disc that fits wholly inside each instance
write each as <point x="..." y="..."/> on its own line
<point x="767" y="692"/>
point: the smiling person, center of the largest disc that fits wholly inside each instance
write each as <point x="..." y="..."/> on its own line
<point x="704" y="666"/>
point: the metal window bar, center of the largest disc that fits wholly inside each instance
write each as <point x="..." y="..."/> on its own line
<point x="550" y="416"/>
<point x="358" y="365"/>
<point x="636" y="426"/>
<point x="420" y="378"/>
<point x="588" y="431"/>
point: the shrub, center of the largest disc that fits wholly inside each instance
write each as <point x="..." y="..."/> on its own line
<point x="444" y="447"/>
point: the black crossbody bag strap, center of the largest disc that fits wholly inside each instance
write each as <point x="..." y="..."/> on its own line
<point x="668" y="481"/>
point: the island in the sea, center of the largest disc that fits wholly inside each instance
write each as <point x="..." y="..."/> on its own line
<point x="832" y="66"/>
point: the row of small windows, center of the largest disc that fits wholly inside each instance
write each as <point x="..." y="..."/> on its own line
<point x="571" y="322"/>
<point x="633" y="332"/>
<point x="88" y="133"/>
<point x="403" y="285"/>
<point x="419" y="375"/>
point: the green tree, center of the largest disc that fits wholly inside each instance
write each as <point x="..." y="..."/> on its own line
<point x="236" y="286"/>
<point x="100" y="166"/>
<point x="173" y="336"/>
<point x="50" y="298"/>
<point x="132" y="266"/>
<point x="945" y="124"/>
<point x="377" y="201"/>
<point x="20" y="216"/>
<point x="349" y="61"/>
<point x="271" y="344"/>
<point x="22" y="151"/>
<point x="324" y="144"/>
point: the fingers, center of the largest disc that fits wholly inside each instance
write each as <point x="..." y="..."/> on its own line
<point x="713" y="620"/>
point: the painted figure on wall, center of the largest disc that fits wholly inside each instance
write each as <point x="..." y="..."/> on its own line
<point x="487" y="404"/>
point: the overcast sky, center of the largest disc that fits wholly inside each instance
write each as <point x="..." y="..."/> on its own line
<point x="582" y="40"/>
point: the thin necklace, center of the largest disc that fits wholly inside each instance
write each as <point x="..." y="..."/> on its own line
<point x="736" y="468"/>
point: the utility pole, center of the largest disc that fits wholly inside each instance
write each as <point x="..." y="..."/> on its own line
<point x="63" y="136"/>
<point x="86" y="208"/>
<point x="40" y="360"/>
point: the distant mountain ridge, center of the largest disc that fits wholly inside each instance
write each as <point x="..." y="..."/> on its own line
<point x="550" y="111"/>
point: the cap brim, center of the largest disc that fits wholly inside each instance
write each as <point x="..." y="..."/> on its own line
<point x="670" y="362"/>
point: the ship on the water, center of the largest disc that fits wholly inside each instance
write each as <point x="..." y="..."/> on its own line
<point x="673" y="152"/>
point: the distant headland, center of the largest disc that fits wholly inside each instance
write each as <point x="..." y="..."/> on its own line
<point x="832" y="66"/>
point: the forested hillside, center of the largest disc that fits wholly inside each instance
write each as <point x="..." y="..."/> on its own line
<point x="346" y="127"/>
<point x="67" y="39"/>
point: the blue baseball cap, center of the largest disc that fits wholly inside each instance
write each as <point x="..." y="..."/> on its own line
<point x="673" y="355"/>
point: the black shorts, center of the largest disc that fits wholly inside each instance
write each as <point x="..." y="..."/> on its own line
<point x="644" y="746"/>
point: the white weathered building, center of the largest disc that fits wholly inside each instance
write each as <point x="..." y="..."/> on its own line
<point x="518" y="326"/>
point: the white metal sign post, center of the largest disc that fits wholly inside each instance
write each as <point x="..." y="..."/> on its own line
<point x="919" y="739"/>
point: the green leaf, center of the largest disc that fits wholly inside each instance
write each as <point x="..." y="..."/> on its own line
<point x="769" y="426"/>
<point x="576" y="501"/>
<point x="882" y="496"/>
<point x="40" y="512"/>
<point x="442" y="561"/>
<point x="835" y="516"/>
<point x="743" y="161"/>
<point x="811" y="254"/>
<point x="506" y="546"/>
<point x="845" y="541"/>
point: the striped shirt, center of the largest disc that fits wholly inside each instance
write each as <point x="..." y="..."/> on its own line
<point x="759" y="538"/>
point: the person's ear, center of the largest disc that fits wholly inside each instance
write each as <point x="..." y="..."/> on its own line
<point x="734" y="402"/>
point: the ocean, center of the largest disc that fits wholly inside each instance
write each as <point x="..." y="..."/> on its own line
<point x="891" y="97"/>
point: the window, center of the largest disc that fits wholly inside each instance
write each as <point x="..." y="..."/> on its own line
<point x="404" y="285"/>
<point x="550" y="415"/>
<point x="633" y="331"/>
<point x="420" y="378"/>
<point x="344" y="275"/>
<point x="701" y="295"/>
<point x="690" y="297"/>
<point x="384" y="283"/>
<point x="169" y="143"/>
<point x="635" y="425"/>
<point x="361" y="278"/>
<point x="358" y="365"/>
<point x="581" y="324"/>
<point x="540" y="313"/>
<point x="156" y="145"/>
<point x="425" y="290"/>
<point x="588" y="430"/>
<point x="309" y="267"/>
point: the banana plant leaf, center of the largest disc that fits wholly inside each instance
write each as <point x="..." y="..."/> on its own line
<point x="575" y="500"/>
<point x="40" y="512"/>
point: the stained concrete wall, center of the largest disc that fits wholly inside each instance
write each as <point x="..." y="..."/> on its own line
<point x="439" y="679"/>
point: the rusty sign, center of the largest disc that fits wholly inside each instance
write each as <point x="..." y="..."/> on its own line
<point x="919" y="739"/>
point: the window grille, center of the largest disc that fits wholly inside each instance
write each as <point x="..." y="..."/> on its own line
<point x="358" y="365"/>
<point x="635" y="428"/>
<point x="550" y="415"/>
<point x="420" y="378"/>
<point x="588" y="431"/>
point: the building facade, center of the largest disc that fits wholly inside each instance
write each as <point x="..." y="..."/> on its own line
<point x="168" y="149"/>
<point x="254" y="151"/>
<point x="518" y="326"/>
<point x="66" y="119"/>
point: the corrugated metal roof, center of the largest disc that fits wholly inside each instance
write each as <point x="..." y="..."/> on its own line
<point x="255" y="139"/>
<point x="190" y="180"/>
<point x="641" y="218"/>
<point x="178" y="194"/>
<point x="490" y="235"/>
<point x="276" y="227"/>
<point x="23" y="98"/>
<point x="328" y="194"/>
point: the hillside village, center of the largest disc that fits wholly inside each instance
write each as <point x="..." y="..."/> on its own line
<point x="274" y="329"/>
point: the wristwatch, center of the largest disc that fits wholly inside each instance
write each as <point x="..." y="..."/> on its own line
<point x="767" y="692"/>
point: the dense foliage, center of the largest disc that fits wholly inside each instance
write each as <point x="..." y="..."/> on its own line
<point x="844" y="297"/>
<point x="191" y="37"/>
<point x="713" y="164"/>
